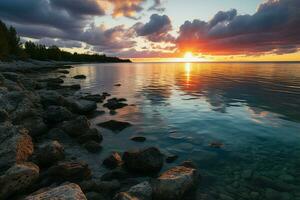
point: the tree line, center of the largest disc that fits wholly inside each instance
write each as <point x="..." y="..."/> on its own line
<point x="11" y="48"/>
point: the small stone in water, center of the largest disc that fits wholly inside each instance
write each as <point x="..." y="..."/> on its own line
<point x="118" y="85"/>
<point x="217" y="145"/>
<point x="114" y="125"/>
<point x="79" y="77"/>
<point x="171" y="158"/>
<point x="138" y="138"/>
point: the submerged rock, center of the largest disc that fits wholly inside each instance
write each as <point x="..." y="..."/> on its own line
<point x="114" y="125"/>
<point x="189" y="164"/>
<point x="92" y="146"/>
<point x="138" y="138"/>
<point x="113" y="161"/>
<point x="174" y="183"/>
<point x="171" y="158"/>
<point x="217" y="145"/>
<point x="96" y="113"/>
<point x="81" y="76"/>
<point x="147" y="161"/>
<point x="69" y="191"/>
<point x="50" y="153"/>
<point x="70" y="171"/>
<point x="18" y="178"/>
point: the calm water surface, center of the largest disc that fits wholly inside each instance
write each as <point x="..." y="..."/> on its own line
<point x="253" y="109"/>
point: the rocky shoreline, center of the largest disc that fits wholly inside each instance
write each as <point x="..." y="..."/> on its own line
<point x="38" y="116"/>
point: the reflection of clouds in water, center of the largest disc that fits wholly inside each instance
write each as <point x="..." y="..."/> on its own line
<point x="228" y="84"/>
<point x="157" y="94"/>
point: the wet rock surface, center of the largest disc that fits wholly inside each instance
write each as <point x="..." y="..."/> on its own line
<point x="56" y="114"/>
<point x="147" y="161"/>
<point x="67" y="191"/>
<point x="70" y="171"/>
<point x="50" y="153"/>
<point x="15" y="145"/>
<point x="18" y="178"/>
<point x="175" y="182"/>
<point x="46" y="140"/>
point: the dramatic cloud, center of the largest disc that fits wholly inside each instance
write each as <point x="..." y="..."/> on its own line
<point x="111" y="40"/>
<point x="126" y="8"/>
<point x="79" y="7"/>
<point x="40" y="12"/>
<point x="157" y="29"/>
<point x="130" y="8"/>
<point x="273" y="28"/>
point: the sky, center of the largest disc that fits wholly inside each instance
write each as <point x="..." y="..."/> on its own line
<point x="162" y="30"/>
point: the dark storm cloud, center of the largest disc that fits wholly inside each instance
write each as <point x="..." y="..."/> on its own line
<point x="65" y="20"/>
<point x="273" y="28"/>
<point x="157" y="29"/>
<point x="40" y="12"/>
<point x="79" y="7"/>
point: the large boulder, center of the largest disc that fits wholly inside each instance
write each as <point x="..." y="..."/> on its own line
<point x="69" y="191"/>
<point x="70" y="171"/>
<point x="147" y="161"/>
<point x="51" y="97"/>
<point x="81" y="106"/>
<point x="56" y="114"/>
<point x="141" y="191"/>
<point x="35" y="125"/>
<point x="174" y="183"/>
<point x="90" y="135"/>
<point x="15" y="145"/>
<point x="50" y="153"/>
<point x="17" y="179"/>
<point x="76" y="127"/>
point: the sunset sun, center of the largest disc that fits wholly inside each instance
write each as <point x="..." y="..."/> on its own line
<point x="188" y="56"/>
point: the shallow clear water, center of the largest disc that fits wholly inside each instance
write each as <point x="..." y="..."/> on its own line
<point x="253" y="109"/>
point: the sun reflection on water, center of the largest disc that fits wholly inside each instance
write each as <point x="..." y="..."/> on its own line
<point x="188" y="69"/>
